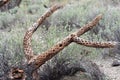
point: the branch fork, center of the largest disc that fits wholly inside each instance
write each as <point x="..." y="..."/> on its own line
<point x="35" y="61"/>
<point x="74" y="37"/>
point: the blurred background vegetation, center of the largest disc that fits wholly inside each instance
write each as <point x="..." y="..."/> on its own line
<point x="16" y="20"/>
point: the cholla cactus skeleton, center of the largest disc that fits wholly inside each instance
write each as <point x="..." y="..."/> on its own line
<point x="35" y="61"/>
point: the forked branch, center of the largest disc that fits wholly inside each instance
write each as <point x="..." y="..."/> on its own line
<point x="27" y="38"/>
<point x="45" y="56"/>
<point x="29" y="70"/>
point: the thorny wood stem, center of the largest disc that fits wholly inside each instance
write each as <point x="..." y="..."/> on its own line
<point x="45" y="56"/>
<point x="88" y="26"/>
<point x="94" y="44"/>
<point x="38" y="60"/>
<point x="27" y="38"/>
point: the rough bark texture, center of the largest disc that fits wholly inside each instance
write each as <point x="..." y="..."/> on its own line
<point x="94" y="44"/>
<point x="45" y="56"/>
<point x="27" y="39"/>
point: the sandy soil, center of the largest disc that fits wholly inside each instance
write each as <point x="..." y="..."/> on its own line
<point x="112" y="73"/>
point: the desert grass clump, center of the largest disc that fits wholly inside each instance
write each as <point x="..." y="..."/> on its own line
<point x="113" y="3"/>
<point x="10" y="5"/>
<point x="6" y="19"/>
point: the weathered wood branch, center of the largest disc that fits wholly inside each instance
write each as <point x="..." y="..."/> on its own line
<point x="94" y="44"/>
<point x="3" y="2"/>
<point x="29" y="71"/>
<point x="45" y="56"/>
<point x="88" y="26"/>
<point x="27" y="38"/>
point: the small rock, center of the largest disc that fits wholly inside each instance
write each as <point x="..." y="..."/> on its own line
<point x="116" y="63"/>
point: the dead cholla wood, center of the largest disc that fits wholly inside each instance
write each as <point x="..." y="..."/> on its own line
<point x="93" y="44"/>
<point x="45" y="56"/>
<point x="28" y="71"/>
<point x="27" y="38"/>
<point x="88" y="26"/>
<point x="3" y="2"/>
<point x="28" y="49"/>
<point x="58" y="47"/>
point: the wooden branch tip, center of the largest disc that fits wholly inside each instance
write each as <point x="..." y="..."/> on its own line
<point x="94" y="44"/>
<point x="57" y="6"/>
<point x="46" y="14"/>
<point x="88" y="26"/>
<point x="98" y="17"/>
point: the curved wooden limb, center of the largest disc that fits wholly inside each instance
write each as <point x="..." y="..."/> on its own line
<point x="27" y="46"/>
<point x="3" y="2"/>
<point x="94" y="44"/>
<point x="27" y="38"/>
<point x="88" y="26"/>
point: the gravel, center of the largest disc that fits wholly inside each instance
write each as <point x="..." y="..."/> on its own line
<point x="105" y="65"/>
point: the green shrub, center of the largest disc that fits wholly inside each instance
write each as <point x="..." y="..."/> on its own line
<point x="6" y="19"/>
<point x="79" y="13"/>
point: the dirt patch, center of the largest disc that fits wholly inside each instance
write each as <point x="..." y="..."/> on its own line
<point x="105" y="65"/>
